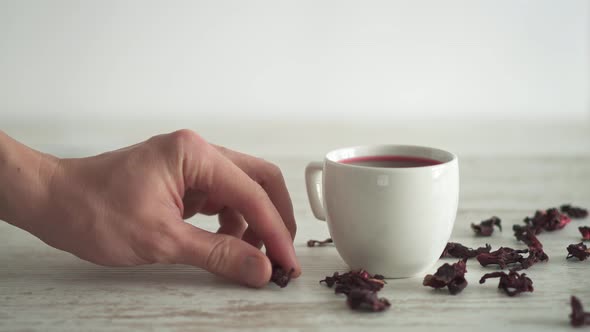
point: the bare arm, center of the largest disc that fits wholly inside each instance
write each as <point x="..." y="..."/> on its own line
<point x="25" y="175"/>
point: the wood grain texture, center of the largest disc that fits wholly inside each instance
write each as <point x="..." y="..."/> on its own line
<point x="43" y="289"/>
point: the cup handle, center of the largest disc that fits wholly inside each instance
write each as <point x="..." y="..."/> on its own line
<point x="313" y="181"/>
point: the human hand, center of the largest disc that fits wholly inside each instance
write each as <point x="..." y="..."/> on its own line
<point x="126" y="207"/>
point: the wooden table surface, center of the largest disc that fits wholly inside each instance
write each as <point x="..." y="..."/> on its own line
<point x="507" y="169"/>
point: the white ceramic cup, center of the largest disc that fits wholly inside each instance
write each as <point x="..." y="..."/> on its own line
<point x="391" y="221"/>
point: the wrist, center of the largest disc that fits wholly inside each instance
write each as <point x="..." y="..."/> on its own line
<point x="25" y="177"/>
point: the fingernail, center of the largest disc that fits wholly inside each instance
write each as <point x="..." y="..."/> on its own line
<point x="253" y="271"/>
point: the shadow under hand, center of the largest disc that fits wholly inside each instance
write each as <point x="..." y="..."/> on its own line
<point x="59" y="270"/>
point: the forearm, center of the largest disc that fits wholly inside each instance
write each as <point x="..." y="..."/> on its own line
<point x="25" y="176"/>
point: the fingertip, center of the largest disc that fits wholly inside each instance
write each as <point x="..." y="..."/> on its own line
<point x="255" y="270"/>
<point x="297" y="271"/>
<point x="296" y="265"/>
<point x="293" y="264"/>
<point x="287" y="260"/>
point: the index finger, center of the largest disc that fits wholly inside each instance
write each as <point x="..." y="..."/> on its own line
<point x="228" y="184"/>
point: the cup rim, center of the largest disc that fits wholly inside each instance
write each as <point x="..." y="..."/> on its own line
<point x="330" y="157"/>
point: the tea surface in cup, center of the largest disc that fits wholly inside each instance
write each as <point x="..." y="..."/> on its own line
<point x="391" y="161"/>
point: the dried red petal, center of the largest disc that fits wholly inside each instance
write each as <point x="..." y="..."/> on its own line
<point x="512" y="283"/>
<point x="457" y="285"/>
<point x="574" y="211"/>
<point x="585" y="231"/>
<point x="548" y="220"/>
<point x="317" y="243"/>
<point x="457" y="250"/>
<point x="556" y="220"/>
<point x="450" y="276"/>
<point x="360" y="288"/>
<point x="366" y="300"/>
<point x="580" y="251"/>
<point x="535" y="255"/>
<point x="502" y="257"/>
<point x="578" y="317"/>
<point x="527" y="235"/>
<point x="331" y="281"/>
<point x="486" y="227"/>
<point x="354" y="279"/>
<point x="280" y="276"/>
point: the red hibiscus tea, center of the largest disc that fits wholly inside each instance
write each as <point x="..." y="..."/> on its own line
<point x="391" y="161"/>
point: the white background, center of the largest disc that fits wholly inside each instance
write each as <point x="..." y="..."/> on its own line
<point x="71" y="61"/>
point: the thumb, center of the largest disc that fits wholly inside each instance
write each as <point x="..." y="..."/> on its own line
<point x="223" y="255"/>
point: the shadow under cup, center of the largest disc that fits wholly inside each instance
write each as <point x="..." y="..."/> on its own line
<point x="390" y="209"/>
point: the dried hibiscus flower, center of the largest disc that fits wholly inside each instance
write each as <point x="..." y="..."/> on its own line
<point x="280" y="276"/>
<point x="354" y="279"/>
<point x="527" y="235"/>
<point x="512" y="283"/>
<point x="535" y="255"/>
<point x="486" y="227"/>
<point x="502" y="257"/>
<point x="458" y="250"/>
<point x="521" y="229"/>
<point x="578" y="317"/>
<point x="366" y="300"/>
<point x="580" y="251"/>
<point x="318" y="243"/>
<point x="548" y="220"/>
<point x="450" y="276"/>
<point x="585" y="231"/>
<point x="574" y="211"/>
<point x="360" y="288"/>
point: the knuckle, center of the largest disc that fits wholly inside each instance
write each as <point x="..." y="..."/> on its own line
<point x="218" y="256"/>
<point x="185" y="148"/>
<point x="270" y="173"/>
<point x="186" y="138"/>
<point x="222" y="149"/>
<point x="274" y="172"/>
<point x="258" y="198"/>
